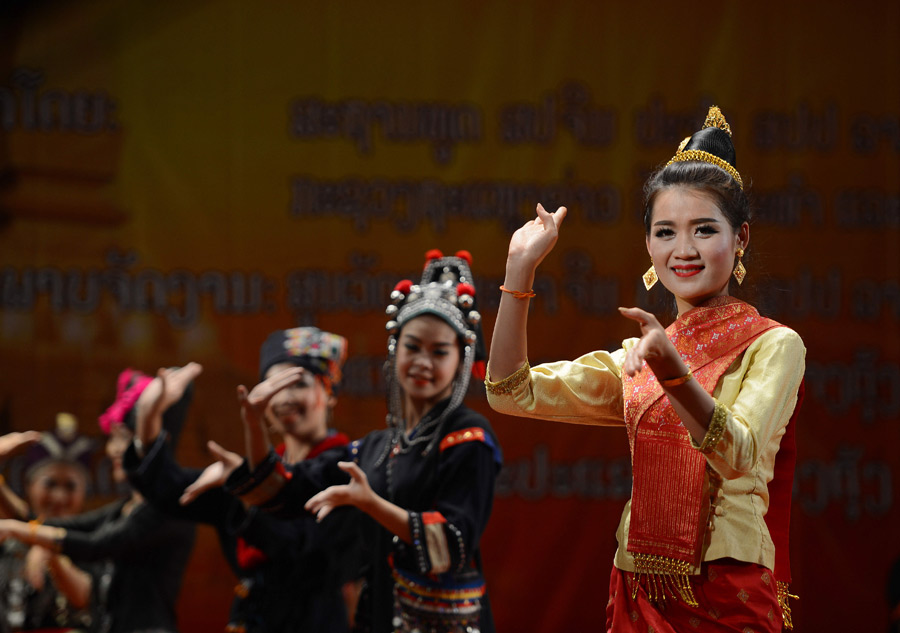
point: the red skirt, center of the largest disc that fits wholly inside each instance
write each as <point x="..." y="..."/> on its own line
<point x="732" y="596"/>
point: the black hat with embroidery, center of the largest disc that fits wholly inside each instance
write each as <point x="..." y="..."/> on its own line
<point x="317" y="351"/>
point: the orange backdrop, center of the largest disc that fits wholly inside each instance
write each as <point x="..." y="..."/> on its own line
<point x="180" y="178"/>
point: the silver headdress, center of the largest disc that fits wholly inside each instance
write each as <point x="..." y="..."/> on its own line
<point x="446" y="291"/>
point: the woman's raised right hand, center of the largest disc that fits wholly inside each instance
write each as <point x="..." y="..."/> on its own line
<point x="253" y="411"/>
<point x="163" y="391"/>
<point x="531" y="243"/>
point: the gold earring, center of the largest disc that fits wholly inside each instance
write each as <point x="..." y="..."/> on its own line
<point x="650" y="277"/>
<point x="739" y="271"/>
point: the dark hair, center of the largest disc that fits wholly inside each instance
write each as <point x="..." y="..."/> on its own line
<point x="706" y="178"/>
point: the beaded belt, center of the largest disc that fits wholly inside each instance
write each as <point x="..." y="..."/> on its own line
<point x="427" y="604"/>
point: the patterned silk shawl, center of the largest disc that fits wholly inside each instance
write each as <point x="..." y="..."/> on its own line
<point x="670" y="498"/>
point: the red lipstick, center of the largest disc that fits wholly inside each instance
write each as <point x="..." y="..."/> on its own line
<point x="686" y="271"/>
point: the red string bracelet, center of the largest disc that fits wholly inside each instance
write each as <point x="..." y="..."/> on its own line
<point x="518" y="294"/>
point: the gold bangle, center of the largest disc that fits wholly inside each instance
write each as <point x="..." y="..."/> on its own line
<point x="674" y="382"/>
<point x="510" y="383"/>
<point x="716" y="429"/>
<point x="518" y="294"/>
<point x="33" y="526"/>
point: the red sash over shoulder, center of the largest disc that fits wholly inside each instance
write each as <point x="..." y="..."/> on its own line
<point x="670" y="499"/>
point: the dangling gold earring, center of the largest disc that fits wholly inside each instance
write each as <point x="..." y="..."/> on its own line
<point x="739" y="271"/>
<point x="650" y="277"/>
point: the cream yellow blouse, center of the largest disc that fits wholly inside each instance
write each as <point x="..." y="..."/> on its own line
<point x="759" y="391"/>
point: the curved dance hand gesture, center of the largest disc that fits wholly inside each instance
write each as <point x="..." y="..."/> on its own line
<point x="532" y="242"/>
<point x="654" y="347"/>
<point x="692" y="403"/>
<point x="13" y="442"/>
<point x="213" y="476"/>
<point x="528" y="247"/>
<point x="253" y="411"/>
<point x="357" y="493"/>
<point x="165" y="390"/>
<point x="256" y="434"/>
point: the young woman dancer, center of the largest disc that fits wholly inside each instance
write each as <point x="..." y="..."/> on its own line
<point x="706" y="404"/>
<point x="291" y="573"/>
<point x="140" y="553"/>
<point x="40" y="589"/>
<point x="425" y="483"/>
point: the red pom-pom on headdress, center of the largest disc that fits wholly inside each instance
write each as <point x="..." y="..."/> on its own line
<point x="403" y="286"/>
<point x="465" y="289"/>
<point x="433" y="254"/>
<point x="466" y="255"/>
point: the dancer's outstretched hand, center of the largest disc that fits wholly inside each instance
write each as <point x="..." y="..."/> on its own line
<point x="213" y="476"/>
<point x="163" y="391"/>
<point x="12" y="442"/>
<point x="37" y="560"/>
<point x="253" y="411"/>
<point x="654" y="347"/>
<point x="531" y="243"/>
<point x="357" y="493"/>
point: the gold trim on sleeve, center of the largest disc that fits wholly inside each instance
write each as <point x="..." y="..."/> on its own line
<point x="510" y="383"/>
<point x="716" y="429"/>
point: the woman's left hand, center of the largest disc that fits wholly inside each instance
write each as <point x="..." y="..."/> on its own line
<point x="213" y="476"/>
<point x="357" y="493"/>
<point x="5" y="531"/>
<point x="654" y="347"/>
<point x="12" y="442"/>
<point x="36" y="561"/>
<point x="12" y="529"/>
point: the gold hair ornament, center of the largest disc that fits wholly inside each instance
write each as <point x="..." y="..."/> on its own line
<point x="714" y="118"/>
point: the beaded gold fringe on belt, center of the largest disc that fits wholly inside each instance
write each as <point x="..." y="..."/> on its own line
<point x="784" y="595"/>
<point x="663" y="575"/>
